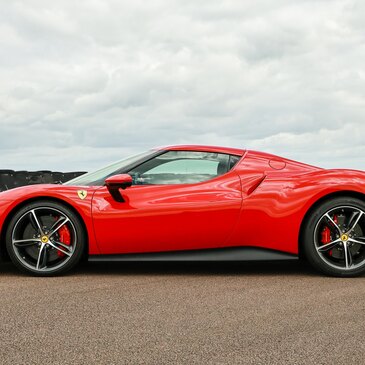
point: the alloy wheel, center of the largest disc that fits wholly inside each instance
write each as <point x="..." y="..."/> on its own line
<point x="44" y="239"/>
<point x="339" y="238"/>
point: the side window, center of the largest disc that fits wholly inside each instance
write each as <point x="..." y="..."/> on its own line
<point x="182" y="167"/>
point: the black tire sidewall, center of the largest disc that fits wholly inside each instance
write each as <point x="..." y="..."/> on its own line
<point x="308" y="236"/>
<point x="79" y="249"/>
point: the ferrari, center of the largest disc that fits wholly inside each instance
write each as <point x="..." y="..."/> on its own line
<point x="190" y="203"/>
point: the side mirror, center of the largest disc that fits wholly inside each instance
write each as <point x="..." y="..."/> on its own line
<point x="116" y="182"/>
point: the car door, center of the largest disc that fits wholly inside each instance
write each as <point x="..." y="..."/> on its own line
<point x="181" y="200"/>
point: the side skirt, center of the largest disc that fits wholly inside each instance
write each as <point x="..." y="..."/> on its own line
<point x="221" y="254"/>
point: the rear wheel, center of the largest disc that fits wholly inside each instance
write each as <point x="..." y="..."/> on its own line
<point x="45" y="239"/>
<point x="334" y="237"/>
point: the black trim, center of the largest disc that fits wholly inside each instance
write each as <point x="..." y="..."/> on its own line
<point x="220" y="254"/>
<point x="115" y="193"/>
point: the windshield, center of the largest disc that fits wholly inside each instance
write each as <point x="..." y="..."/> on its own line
<point x="123" y="166"/>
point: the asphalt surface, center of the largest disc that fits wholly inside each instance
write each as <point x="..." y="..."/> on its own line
<point x="257" y="313"/>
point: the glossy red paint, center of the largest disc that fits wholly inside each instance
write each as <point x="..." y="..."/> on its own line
<point x="11" y="200"/>
<point x="163" y="218"/>
<point x="117" y="182"/>
<point x="123" y="179"/>
<point x="272" y="216"/>
<point x="261" y="202"/>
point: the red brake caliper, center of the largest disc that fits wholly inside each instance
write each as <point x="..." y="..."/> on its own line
<point x="326" y="234"/>
<point x="64" y="237"/>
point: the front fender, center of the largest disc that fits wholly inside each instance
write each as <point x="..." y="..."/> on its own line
<point x="12" y="200"/>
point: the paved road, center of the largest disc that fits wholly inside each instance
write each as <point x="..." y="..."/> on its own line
<point x="182" y="314"/>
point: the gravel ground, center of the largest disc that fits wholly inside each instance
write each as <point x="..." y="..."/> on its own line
<point x="256" y="313"/>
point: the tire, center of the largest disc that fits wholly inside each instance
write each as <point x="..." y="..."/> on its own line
<point x="334" y="237"/>
<point x="45" y="238"/>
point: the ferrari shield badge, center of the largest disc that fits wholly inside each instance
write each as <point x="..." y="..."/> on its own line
<point x="82" y="194"/>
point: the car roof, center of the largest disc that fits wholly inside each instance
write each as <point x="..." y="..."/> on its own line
<point x="202" y="148"/>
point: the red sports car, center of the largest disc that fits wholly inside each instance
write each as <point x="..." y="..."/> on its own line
<point x="194" y="203"/>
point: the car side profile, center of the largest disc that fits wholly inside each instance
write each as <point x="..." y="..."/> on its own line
<point x="197" y="203"/>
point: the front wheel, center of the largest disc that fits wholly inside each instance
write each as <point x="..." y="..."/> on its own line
<point x="45" y="239"/>
<point x="334" y="237"/>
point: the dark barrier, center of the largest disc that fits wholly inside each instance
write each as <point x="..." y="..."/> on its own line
<point x="10" y="179"/>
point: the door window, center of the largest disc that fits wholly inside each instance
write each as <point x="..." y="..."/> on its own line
<point x="182" y="167"/>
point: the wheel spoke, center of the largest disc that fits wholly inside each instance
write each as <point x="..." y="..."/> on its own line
<point x="334" y="223"/>
<point x="329" y="246"/>
<point x="61" y="224"/>
<point x="54" y="244"/>
<point x="348" y="256"/>
<point x="67" y="247"/>
<point x="38" y="225"/>
<point x="351" y="219"/>
<point x="27" y="242"/>
<point x="353" y="225"/>
<point x="42" y="257"/>
<point x="58" y="221"/>
<point x="359" y="240"/>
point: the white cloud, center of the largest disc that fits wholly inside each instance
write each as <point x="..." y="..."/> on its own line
<point x="88" y="82"/>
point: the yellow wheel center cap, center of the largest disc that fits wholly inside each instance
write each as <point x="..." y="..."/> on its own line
<point x="44" y="239"/>
<point x="344" y="237"/>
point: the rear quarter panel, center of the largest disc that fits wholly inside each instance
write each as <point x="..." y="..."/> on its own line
<point x="272" y="215"/>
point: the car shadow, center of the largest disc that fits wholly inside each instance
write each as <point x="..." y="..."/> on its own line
<point x="197" y="268"/>
<point x="268" y="268"/>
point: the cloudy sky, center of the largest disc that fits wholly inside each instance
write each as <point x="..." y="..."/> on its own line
<point x="83" y="83"/>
